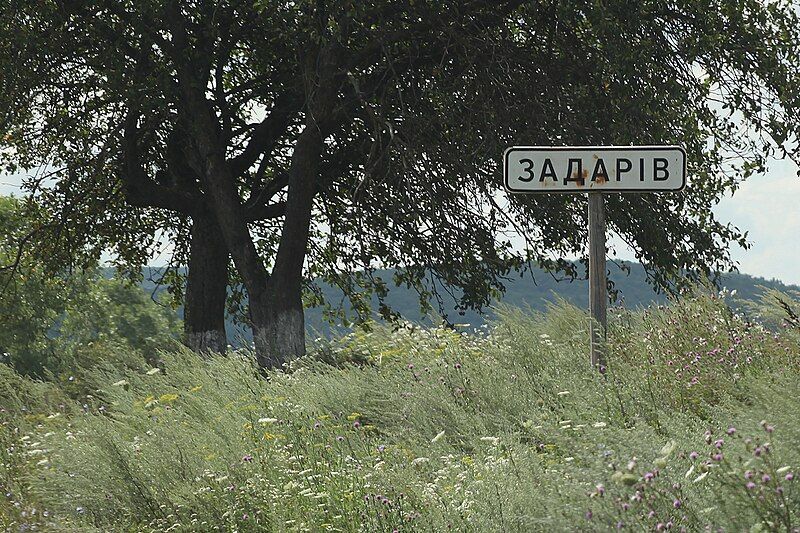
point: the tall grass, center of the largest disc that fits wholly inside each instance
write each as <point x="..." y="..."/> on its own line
<point x="409" y="429"/>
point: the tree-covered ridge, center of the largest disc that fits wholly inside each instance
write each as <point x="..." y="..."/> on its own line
<point x="536" y="290"/>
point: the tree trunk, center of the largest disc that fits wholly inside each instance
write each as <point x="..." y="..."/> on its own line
<point x="206" y="288"/>
<point x="278" y="329"/>
<point x="275" y="300"/>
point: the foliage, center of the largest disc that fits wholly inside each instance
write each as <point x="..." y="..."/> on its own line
<point x="406" y="107"/>
<point x="55" y="325"/>
<point x="501" y="429"/>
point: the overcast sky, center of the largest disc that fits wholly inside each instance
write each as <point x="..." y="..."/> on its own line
<point x="767" y="206"/>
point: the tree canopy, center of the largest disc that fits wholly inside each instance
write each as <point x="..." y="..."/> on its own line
<point x="325" y="139"/>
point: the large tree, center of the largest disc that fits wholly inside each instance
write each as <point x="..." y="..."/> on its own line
<point x="323" y="139"/>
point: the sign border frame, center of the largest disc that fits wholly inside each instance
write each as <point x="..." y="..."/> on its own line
<point x="653" y="148"/>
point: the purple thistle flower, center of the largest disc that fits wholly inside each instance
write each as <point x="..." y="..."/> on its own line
<point x="717" y="457"/>
<point x="718" y="443"/>
<point x="766" y="478"/>
<point x="694" y="455"/>
<point x="601" y="490"/>
<point x="648" y="476"/>
<point x="247" y="458"/>
<point x="457" y="366"/>
<point x="748" y="474"/>
<point x="750" y="485"/>
<point x="769" y="429"/>
<point x="676" y="504"/>
<point x="758" y="451"/>
<point x="588" y="514"/>
<point x="620" y="524"/>
<point x="356" y="424"/>
<point x="789" y="476"/>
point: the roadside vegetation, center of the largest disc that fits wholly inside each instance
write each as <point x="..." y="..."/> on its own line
<point x="693" y="424"/>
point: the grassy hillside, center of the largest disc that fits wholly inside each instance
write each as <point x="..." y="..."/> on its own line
<point x="426" y="430"/>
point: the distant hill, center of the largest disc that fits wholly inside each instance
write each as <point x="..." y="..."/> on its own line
<point x="535" y="290"/>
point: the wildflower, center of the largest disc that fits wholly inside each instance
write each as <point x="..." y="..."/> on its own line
<point x="588" y="514"/>
<point x="317" y="425"/>
<point x="717" y="457"/>
<point x="245" y="516"/>
<point x="620" y="524"/>
<point x="381" y="448"/>
<point x="651" y="514"/>
<point x="748" y="474"/>
<point x="758" y="451"/>
<point x="339" y="438"/>
<point x="247" y="458"/>
<point x="411" y="366"/>
<point x="694" y="455"/>
<point x="789" y="477"/>
<point x="766" y="478"/>
<point x="356" y="424"/>
<point x="676" y="504"/>
<point x="779" y="490"/>
<point x="718" y="443"/>
<point x="625" y="506"/>
<point x="457" y="366"/>
<point x="769" y="429"/>
<point x="750" y="485"/>
<point x="601" y="490"/>
<point x="649" y="476"/>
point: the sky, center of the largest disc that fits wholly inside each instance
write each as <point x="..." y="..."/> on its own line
<point x="767" y="206"/>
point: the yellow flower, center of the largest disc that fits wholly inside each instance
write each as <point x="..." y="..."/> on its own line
<point x="167" y="398"/>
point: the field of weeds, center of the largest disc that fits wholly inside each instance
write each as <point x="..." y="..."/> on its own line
<point x="693" y="425"/>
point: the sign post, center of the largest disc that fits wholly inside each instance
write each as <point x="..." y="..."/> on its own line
<point x="596" y="171"/>
<point x="597" y="279"/>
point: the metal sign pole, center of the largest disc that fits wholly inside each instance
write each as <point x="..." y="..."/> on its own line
<point x="597" y="279"/>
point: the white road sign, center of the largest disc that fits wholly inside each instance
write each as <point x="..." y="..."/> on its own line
<point x="576" y="169"/>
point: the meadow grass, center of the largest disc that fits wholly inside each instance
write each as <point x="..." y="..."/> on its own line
<point x="692" y="424"/>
